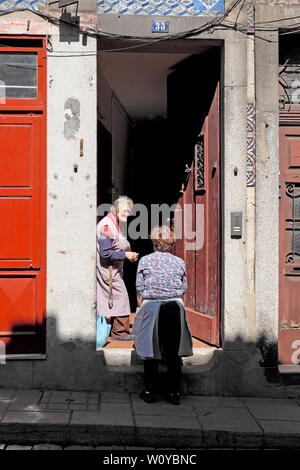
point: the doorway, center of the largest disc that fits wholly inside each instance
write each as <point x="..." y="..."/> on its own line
<point x="159" y="144"/>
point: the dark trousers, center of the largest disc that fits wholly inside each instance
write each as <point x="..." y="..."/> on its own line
<point x="169" y="331"/>
<point x="119" y="326"/>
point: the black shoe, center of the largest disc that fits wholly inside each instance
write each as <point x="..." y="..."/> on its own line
<point x="174" y="398"/>
<point x="148" y="397"/>
<point x="122" y="338"/>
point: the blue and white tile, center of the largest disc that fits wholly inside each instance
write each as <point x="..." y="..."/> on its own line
<point x="161" y="7"/>
<point x="20" y="4"/>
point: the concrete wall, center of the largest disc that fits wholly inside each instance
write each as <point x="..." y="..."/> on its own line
<point x="234" y="190"/>
<point x="71" y="211"/>
<point x="267" y="187"/>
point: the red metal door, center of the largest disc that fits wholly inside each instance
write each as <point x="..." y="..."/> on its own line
<point x="22" y="196"/>
<point x="199" y="212"/>
<point x="289" y="245"/>
<point x="19" y="191"/>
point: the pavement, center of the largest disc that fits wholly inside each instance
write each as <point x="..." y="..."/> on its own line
<point x="37" y="419"/>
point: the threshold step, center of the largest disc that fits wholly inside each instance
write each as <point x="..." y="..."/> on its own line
<point x="289" y="368"/>
<point x="117" y="357"/>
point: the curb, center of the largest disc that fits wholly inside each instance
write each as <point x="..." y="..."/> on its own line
<point x="109" y="435"/>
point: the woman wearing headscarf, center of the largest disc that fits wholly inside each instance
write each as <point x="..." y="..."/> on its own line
<point x="113" y="249"/>
<point x="160" y="326"/>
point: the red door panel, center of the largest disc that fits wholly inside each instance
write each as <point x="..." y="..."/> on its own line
<point x="206" y="315"/>
<point x="289" y="245"/>
<point x="23" y="200"/>
<point x="289" y="346"/>
<point x="16" y="152"/>
<point x="199" y="209"/>
<point x="21" y="321"/>
<point x="18" y="299"/>
<point x="189" y="239"/>
<point x="22" y="234"/>
<point x="16" y="216"/>
<point x="20" y="191"/>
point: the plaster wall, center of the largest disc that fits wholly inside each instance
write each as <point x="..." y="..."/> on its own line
<point x="267" y="190"/>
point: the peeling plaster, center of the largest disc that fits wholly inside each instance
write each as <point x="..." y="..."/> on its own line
<point x="72" y="122"/>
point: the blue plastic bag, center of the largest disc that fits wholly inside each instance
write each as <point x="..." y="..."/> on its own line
<point x="103" y="331"/>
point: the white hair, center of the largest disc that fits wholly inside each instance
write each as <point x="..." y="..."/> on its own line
<point x="120" y="201"/>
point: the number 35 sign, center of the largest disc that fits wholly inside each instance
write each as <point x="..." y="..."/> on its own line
<point x="160" y="26"/>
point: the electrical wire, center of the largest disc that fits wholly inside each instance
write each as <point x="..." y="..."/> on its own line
<point x="96" y="33"/>
<point x="215" y="23"/>
<point x="239" y="12"/>
<point x="220" y="22"/>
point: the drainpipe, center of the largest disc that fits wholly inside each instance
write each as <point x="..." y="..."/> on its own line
<point x="251" y="157"/>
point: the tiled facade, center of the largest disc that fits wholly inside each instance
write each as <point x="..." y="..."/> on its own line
<point x="20" y="4"/>
<point x="161" y="7"/>
<point x="251" y="144"/>
<point x="135" y="7"/>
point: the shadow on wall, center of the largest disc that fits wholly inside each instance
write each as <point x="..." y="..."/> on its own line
<point x="239" y="369"/>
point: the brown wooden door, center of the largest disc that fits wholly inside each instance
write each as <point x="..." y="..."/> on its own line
<point x="289" y="245"/>
<point x="199" y="213"/>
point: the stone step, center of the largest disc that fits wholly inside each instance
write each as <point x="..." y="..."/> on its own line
<point x="127" y="357"/>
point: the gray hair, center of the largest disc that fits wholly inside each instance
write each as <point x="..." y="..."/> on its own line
<point x="120" y="201"/>
<point x="163" y="238"/>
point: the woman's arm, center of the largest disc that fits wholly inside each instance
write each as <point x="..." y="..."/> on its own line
<point x="107" y="251"/>
<point x="184" y="282"/>
<point x="139" y="284"/>
<point x="183" y="277"/>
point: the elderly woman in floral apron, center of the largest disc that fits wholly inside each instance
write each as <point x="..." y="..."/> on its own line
<point x="160" y="325"/>
<point x="113" y="248"/>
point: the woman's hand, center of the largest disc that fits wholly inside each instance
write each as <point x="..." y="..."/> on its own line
<point x="131" y="256"/>
<point x="139" y="300"/>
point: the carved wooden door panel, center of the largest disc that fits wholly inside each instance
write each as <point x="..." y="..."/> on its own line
<point x="289" y="245"/>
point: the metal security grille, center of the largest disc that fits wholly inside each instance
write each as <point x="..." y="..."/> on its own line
<point x="289" y="74"/>
<point x="292" y="77"/>
<point x="200" y="164"/>
<point x="293" y="223"/>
